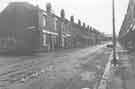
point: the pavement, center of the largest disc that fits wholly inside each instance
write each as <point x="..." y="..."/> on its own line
<point x="122" y="76"/>
<point x="73" y="69"/>
<point x="127" y="71"/>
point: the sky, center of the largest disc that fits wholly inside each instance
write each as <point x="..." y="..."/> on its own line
<point x="96" y="13"/>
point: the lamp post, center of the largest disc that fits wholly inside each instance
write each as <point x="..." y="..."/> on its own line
<point x="114" y="61"/>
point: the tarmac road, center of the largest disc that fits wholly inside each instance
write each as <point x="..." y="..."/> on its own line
<point x="73" y="69"/>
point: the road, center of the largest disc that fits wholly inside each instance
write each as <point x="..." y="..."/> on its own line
<point x="72" y="69"/>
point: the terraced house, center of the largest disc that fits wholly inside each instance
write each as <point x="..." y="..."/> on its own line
<point x="49" y="35"/>
<point x="47" y="30"/>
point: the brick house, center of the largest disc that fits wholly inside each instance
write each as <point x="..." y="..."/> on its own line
<point x="47" y="25"/>
<point x="64" y="31"/>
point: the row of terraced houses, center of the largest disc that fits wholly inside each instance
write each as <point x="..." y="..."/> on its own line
<point x="59" y="32"/>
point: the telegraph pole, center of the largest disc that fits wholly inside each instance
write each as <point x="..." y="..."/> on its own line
<point x="114" y="61"/>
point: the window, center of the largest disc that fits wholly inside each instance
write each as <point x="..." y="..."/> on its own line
<point x="44" y="40"/>
<point x="63" y="26"/>
<point x="133" y="28"/>
<point x="134" y="12"/>
<point x="55" y="24"/>
<point x="44" y="21"/>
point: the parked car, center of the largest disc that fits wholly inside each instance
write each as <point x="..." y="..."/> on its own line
<point x="109" y="45"/>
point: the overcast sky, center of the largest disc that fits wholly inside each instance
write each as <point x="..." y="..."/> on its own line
<point x="96" y="13"/>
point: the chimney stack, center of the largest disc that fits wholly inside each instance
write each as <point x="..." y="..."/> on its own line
<point x="62" y="13"/>
<point x="84" y="25"/>
<point x="79" y="22"/>
<point x="72" y="18"/>
<point x="48" y="7"/>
